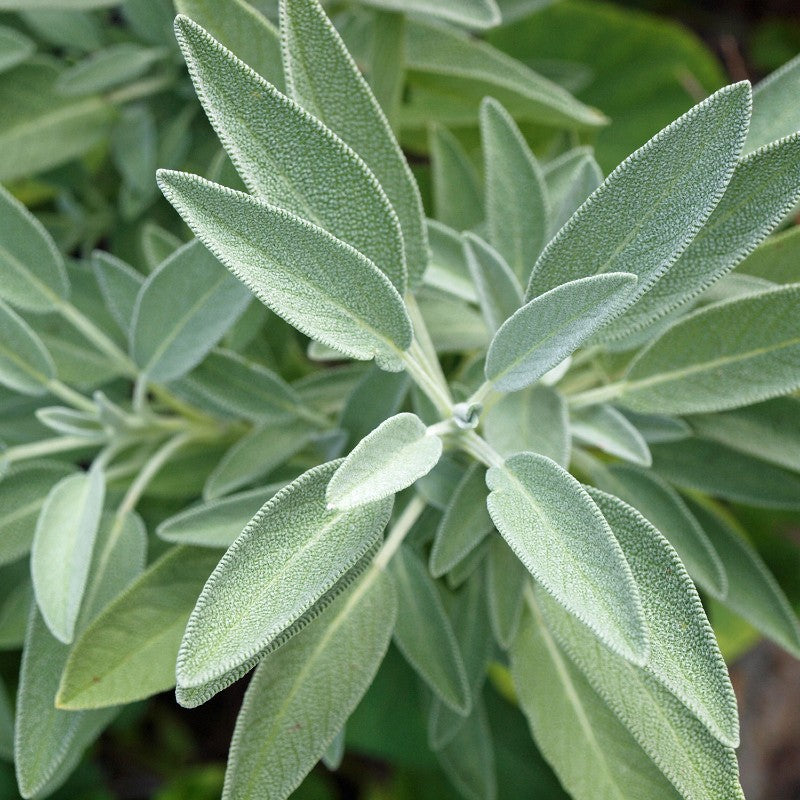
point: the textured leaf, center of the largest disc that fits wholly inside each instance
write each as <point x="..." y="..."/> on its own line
<point x="271" y="141"/>
<point x="560" y="535"/>
<point x="15" y="47"/>
<point x="448" y="270"/>
<point x="70" y="422"/>
<point x="34" y="277"/>
<point x="25" y="364"/>
<point x="517" y="209"/>
<point x="302" y="693"/>
<point x="658" y="427"/>
<point x="533" y="420"/>
<point x="120" y="285"/>
<point x="389" y="459"/>
<point x="457" y="196"/>
<point x="552" y="326"/>
<point x="287" y="558"/>
<point x="465" y="523"/>
<point x="157" y="244"/>
<point x="320" y="74"/>
<point x="506" y="577"/>
<point x="678" y="176"/>
<point x="569" y="180"/>
<point x="499" y="292"/>
<point x="183" y="309"/>
<point x="424" y="634"/>
<point x="128" y="652"/>
<point x="467" y="13"/>
<point x="724" y="356"/>
<point x="62" y="548"/>
<point x="104" y="69"/>
<point x="604" y="427"/>
<point x="351" y="306"/>
<point x="774" y="110"/>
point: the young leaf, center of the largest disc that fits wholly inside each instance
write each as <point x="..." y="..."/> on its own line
<point x="320" y="73"/>
<point x="25" y="364"/>
<point x="569" y="180"/>
<point x="604" y="427"/>
<point x="424" y="634"/>
<point x="271" y="141"/>
<point x="466" y="13"/>
<point x="62" y="548"/>
<point x="506" y="577"/>
<point x="457" y="196"/>
<point x="15" y="47"/>
<point x="678" y="176"/>
<point x="128" y="651"/>
<point x="119" y="284"/>
<point x="464" y="525"/>
<point x="517" y="209"/>
<point x="448" y="270"/>
<point x="558" y="532"/>
<point x="34" y="277"/>
<point x="183" y="309"/>
<point x="351" y="306"/>
<point x="774" y="112"/>
<point x="389" y="459"/>
<point x="302" y="693"/>
<point x="552" y="326"/>
<point x="286" y="559"/>
<point x="534" y="419"/>
<point x="499" y="292"/>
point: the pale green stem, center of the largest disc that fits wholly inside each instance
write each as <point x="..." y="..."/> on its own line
<point x="480" y="449"/>
<point x="425" y="341"/>
<point x="48" y="447"/>
<point x="602" y="394"/>
<point x="429" y="386"/>
<point x="140" y="394"/>
<point x="68" y="395"/>
<point x="140" y="89"/>
<point x="405" y="522"/>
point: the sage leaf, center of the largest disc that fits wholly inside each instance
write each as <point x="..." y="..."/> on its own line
<point x="319" y="73"/>
<point x="498" y="289"/>
<point x="120" y="285"/>
<point x="183" y="309"/>
<point x="424" y="635"/>
<point x="552" y="326"/>
<point x="15" y="47"/>
<point x="62" y="548"/>
<point x="679" y="176"/>
<point x="467" y="13"/>
<point x="604" y="427"/>
<point x="776" y="258"/>
<point x="448" y="270"/>
<point x="351" y="306"/>
<point x="392" y="457"/>
<point x="106" y="68"/>
<point x="157" y="244"/>
<point x="128" y="651"/>
<point x="464" y="525"/>
<point x="569" y="180"/>
<point x="534" y="419"/>
<point x="560" y="535"/>
<point x="457" y="196"/>
<point x="34" y="277"/>
<point x="517" y="209"/>
<point x="724" y="356"/>
<point x="335" y="752"/>
<point x="302" y="693"/>
<point x="70" y="422"/>
<point x="287" y="558"/>
<point x="658" y="427"/>
<point x="271" y="140"/>
<point x="25" y="364"/>
<point x="506" y="577"/>
<point x="774" y="113"/>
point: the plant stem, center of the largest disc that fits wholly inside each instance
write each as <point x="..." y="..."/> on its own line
<point x="423" y="379"/>
<point x="480" y="449"/>
<point x="423" y="337"/>
<point x="48" y="447"/>
<point x="601" y="394"/>
<point x="68" y="395"/>
<point x="405" y="522"/>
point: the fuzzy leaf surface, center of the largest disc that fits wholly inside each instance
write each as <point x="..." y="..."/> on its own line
<point x="506" y="577"/>
<point x="457" y="195"/>
<point x="604" y="427"/>
<point x="775" y="113"/>
<point x="119" y="284"/>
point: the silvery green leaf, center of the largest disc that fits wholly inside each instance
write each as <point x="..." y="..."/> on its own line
<point x="466" y="13"/>
<point x="448" y="270"/>
<point x="457" y="196"/>
<point x="604" y="427"/>
<point x="774" y="110"/>
<point x="271" y="141"/>
<point x="77" y="30"/>
<point x="506" y="577"/>
<point x="723" y="356"/>
<point x="34" y="277"/>
<point x="776" y="259"/>
<point x="719" y="470"/>
<point x="453" y="325"/>
<point x="688" y="754"/>
<point x="218" y="522"/>
<point x="423" y="632"/>
<point x="66" y="127"/>
<point x="754" y="594"/>
<point x="320" y="73"/>
<point x="128" y="651"/>
<point x="327" y="390"/>
<point x="464" y="525"/>
<point x="335" y="752"/>
<point x="244" y="30"/>
<point x="468" y="566"/>
<point x="256" y="454"/>
<point x="134" y="143"/>
<point x="552" y="326"/>
<point x="663" y="507"/>
<point x="389" y="459"/>
<point x="245" y="387"/>
<point x="157" y="244"/>
<point x="15" y="47"/>
<point x="351" y="306"/>
<point x="768" y="430"/>
<point x="731" y="287"/>
<point x="302" y="693"/>
<point x="120" y="285"/>
<point x="23" y="490"/>
<point x="560" y="535"/>
<point x="62" y="548"/>
<point x="569" y="180"/>
<point x="656" y="428"/>
<point x="593" y="754"/>
<point x="534" y="419"/>
<point x="684" y="655"/>
<point x="499" y="291"/>
<point x="70" y="422"/>
<point x="387" y="70"/>
<point x="476" y="69"/>
<point x="679" y="176"/>
<point x="183" y="309"/>
<point x="104" y="69"/>
<point x="765" y="187"/>
<point x="287" y="558"/>
<point x="438" y="486"/>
